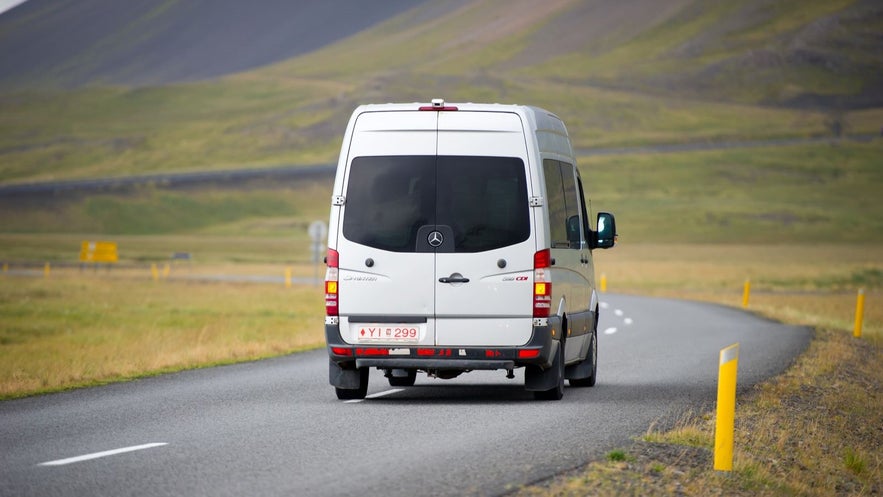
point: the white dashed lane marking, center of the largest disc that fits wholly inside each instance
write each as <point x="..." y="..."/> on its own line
<point x="374" y="395"/>
<point x="627" y="321"/>
<point x="96" y="455"/>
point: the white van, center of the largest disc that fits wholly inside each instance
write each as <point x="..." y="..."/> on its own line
<point x="460" y="240"/>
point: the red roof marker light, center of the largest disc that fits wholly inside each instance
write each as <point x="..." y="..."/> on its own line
<point x="438" y="104"/>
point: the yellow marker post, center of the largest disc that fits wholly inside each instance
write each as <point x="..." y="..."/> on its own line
<point x="154" y="272"/>
<point x="726" y="408"/>
<point x="746" y="293"/>
<point x="46" y="270"/>
<point x="603" y="283"/>
<point x="288" y="277"/>
<point x="859" y="313"/>
<point x="166" y="270"/>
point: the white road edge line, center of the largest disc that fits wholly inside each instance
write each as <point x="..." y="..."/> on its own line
<point x="96" y="455"/>
<point x="374" y="395"/>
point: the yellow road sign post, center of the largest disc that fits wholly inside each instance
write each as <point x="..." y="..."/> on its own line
<point x="726" y="408"/>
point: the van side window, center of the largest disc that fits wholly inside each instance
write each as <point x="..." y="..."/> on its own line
<point x="565" y="227"/>
<point x="574" y="230"/>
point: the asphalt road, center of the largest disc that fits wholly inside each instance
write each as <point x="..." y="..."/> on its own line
<point x="275" y="427"/>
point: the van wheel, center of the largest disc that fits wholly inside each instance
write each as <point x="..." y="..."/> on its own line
<point x="355" y="393"/>
<point x="403" y="381"/>
<point x="556" y="393"/>
<point x="591" y="356"/>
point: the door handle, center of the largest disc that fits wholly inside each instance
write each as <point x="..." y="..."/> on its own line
<point x="453" y="279"/>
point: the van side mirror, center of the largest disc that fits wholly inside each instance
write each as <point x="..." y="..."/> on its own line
<point x="605" y="237"/>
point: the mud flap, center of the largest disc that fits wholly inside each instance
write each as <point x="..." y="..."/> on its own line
<point x="339" y="377"/>
<point x="580" y="370"/>
<point x="537" y="379"/>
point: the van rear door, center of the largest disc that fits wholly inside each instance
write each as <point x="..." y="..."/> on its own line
<point x="482" y="203"/>
<point x="387" y="286"/>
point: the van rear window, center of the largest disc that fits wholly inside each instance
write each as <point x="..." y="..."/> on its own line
<point x="482" y="199"/>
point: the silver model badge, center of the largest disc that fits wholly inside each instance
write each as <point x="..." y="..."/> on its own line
<point x="435" y="238"/>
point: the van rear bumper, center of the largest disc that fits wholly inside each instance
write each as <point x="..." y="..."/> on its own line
<point x="456" y="364"/>
<point x="538" y="351"/>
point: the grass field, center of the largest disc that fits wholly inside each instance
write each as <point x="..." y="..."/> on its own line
<point x="77" y="329"/>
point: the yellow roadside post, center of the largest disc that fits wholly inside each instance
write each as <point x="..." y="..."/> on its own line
<point x="154" y="272"/>
<point x="288" y="277"/>
<point x="603" y="283"/>
<point x="166" y="271"/>
<point x="746" y="293"/>
<point x="726" y="408"/>
<point x="46" y="270"/>
<point x="859" y="313"/>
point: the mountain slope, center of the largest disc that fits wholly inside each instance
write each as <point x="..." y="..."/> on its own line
<point x="73" y="43"/>
<point x="801" y="53"/>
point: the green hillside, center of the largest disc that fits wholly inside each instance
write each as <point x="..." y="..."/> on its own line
<point x="620" y="73"/>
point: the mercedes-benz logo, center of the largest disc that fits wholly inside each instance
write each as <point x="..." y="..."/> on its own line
<point x="435" y="238"/>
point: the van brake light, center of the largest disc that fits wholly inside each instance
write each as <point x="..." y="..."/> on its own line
<point x="438" y="104"/>
<point x="542" y="284"/>
<point x="331" y="277"/>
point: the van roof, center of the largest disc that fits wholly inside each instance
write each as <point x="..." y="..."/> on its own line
<point x="463" y="106"/>
<point x="539" y="120"/>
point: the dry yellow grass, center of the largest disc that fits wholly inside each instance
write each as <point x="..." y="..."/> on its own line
<point x="78" y="329"/>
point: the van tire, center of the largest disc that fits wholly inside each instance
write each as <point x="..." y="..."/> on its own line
<point x="355" y="393"/>
<point x="557" y="392"/>
<point x="403" y="381"/>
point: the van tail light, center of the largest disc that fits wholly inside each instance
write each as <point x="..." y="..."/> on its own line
<point x="331" y="289"/>
<point x="528" y="353"/>
<point x="542" y="284"/>
<point x="372" y="351"/>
